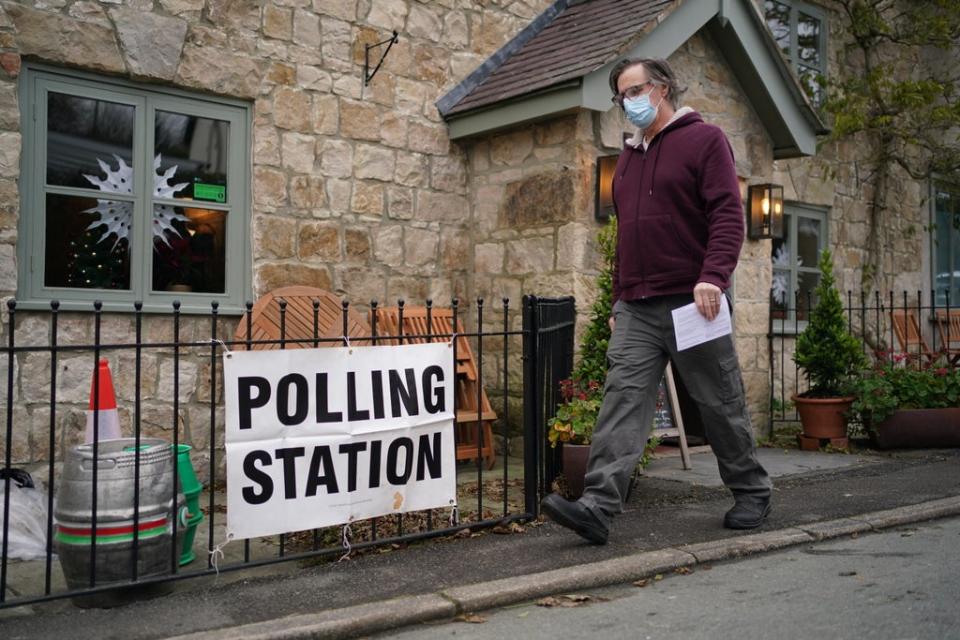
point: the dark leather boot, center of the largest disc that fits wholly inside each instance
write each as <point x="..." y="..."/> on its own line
<point x="576" y="517"/>
<point x="747" y="513"/>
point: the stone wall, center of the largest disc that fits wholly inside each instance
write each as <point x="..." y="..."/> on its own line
<point x="33" y="372"/>
<point x="841" y="178"/>
<point x="356" y="189"/>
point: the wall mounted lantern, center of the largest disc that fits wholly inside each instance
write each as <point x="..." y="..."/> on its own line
<point x="606" y="165"/>
<point x="765" y="211"/>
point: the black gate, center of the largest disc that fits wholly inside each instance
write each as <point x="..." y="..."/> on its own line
<point x="486" y="499"/>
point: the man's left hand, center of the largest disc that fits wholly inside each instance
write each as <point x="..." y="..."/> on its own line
<point x="707" y="298"/>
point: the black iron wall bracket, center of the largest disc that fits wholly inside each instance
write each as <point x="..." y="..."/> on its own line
<point x="367" y="73"/>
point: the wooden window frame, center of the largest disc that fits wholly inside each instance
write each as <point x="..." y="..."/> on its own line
<point x="36" y="81"/>
<point x="792" y="212"/>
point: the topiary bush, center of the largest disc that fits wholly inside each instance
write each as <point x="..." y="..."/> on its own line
<point x="592" y="366"/>
<point x="827" y="353"/>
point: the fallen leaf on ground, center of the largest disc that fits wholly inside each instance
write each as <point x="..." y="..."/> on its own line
<point x="684" y="571"/>
<point x="641" y="583"/>
<point x="565" y="601"/>
<point x="463" y="533"/>
<point x="847" y="574"/>
<point x="659" y="576"/>
<point x="513" y="527"/>
<point x="472" y="618"/>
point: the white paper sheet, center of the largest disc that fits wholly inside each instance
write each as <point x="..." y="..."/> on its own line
<point x="692" y="328"/>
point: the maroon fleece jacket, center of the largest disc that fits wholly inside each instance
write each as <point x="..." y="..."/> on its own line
<point x="679" y="214"/>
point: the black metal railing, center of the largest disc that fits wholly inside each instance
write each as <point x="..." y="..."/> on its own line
<point x="916" y="329"/>
<point x="548" y="359"/>
<point x="547" y="352"/>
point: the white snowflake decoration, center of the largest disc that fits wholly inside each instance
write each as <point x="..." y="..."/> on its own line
<point x="117" y="216"/>
<point x="780" y="284"/>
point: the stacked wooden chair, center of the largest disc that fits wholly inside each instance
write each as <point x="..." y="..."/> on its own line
<point x="906" y="327"/>
<point x="296" y="324"/>
<point x="948" y="328"/>
<point x="473" y="407"/>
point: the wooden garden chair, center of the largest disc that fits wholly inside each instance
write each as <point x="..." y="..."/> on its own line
<point x="467" y="387"/>
<point x="906" y="327"/>
<point x="948" y="329"/>
<point x="298" y="320"/>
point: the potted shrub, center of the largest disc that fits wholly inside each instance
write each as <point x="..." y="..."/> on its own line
<point x="829" y="357"/>
<point x="902" y="406"/>
<point x="572" y="426"/>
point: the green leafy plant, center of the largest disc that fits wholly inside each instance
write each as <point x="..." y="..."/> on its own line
<point x="889" y="386"/>
<point x="576" y="416"/>
<point x="593" y="346"/>
<point x="582" y="394"/>
<point x="827" y="353"/>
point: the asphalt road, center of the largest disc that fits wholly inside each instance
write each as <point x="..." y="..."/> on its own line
<point x="901" y="583"/>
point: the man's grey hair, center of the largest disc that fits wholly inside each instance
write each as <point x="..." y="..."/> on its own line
<point x="659" y="72"/>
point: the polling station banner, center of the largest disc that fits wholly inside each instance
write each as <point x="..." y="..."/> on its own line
<point x="321" y="437"/>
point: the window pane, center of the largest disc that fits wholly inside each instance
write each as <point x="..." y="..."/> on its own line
<point x="87" y="245"/>
<point x="808" y="242"/>
<point x="810" y="81"/>
<point x="778" y="19"/>
<point x="780" y="294"/>
<point x="196" y="150"/>
<point x="82" y="133"/>
<point x="806" y="283"/>
<point x="808" y="40"/>
<point x="946" y="249"/>
<point x="189" y="249"/>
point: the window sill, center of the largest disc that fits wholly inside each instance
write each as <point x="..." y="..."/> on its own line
<point x="787" y="328"/>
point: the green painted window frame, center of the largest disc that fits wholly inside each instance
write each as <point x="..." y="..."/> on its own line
<point x="793" y="211"/>
<point x="937" y="233"/>
<point x="797" y="7"/>
<point x="36" y="81"/>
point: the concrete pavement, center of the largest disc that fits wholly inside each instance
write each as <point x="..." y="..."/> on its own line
<point x="668" y="523"/>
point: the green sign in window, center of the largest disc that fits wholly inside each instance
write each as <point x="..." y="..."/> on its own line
<point x="215" y="192"/>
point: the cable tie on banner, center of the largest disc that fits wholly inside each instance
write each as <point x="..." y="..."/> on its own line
<point x="217" y="553"/>
<point x="222" y="344"/>
<point x="454" y="514"/>
<point x="345" y="536"/>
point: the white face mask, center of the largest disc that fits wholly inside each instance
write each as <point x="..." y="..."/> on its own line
<point x="640" y="112"/>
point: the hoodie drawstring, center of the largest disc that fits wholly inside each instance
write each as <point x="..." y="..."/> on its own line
<point x="656" y="159"/>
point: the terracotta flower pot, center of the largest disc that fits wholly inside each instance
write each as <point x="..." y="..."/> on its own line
<point x="574" y="460"/>
<point x="823" y="418"/>
<point x="918" y="428"/>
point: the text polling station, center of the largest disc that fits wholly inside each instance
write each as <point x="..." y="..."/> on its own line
<point x="320" y="437"/>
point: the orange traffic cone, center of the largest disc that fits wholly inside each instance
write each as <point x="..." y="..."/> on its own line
<point x="108" y="423"/>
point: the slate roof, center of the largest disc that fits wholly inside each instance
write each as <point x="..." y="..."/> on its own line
<point x="567" y="41"/>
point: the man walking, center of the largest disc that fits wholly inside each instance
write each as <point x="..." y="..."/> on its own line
<point x="680" y="229"/>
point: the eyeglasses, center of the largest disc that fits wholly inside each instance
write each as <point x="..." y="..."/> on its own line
<point x="631" y="92"/>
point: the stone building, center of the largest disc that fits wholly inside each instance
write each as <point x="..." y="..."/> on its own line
<point x="465" y="167"/>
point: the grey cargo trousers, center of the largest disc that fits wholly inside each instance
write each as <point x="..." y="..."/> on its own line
<point x="642" y="342"/>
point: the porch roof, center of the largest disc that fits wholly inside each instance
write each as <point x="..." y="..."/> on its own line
<point x="560" y="63"/>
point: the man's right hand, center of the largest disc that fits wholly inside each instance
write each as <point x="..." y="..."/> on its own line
<point x="611" y="321"/>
